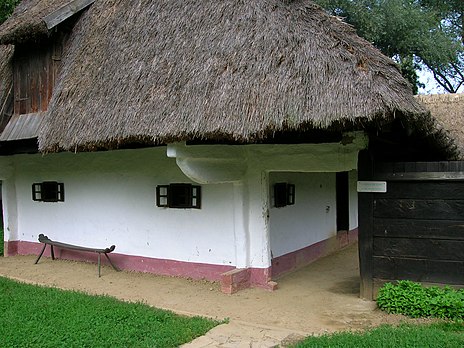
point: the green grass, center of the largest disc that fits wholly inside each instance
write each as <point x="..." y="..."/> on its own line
<point x="437" y="335"/>
<point x="34" y="316"/>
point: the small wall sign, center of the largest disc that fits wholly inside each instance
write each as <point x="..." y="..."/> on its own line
<point x="372" y="186"/>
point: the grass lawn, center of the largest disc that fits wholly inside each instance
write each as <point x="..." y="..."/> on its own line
<point x="34" y="316"/>
<point x="439" y="335"/>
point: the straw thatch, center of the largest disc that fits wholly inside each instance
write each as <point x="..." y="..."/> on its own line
<point x="6" y="83"/>
<point x="6" y="71"/>
<point x="26" y="23"/>
<point x="448" y="110"/>
<point x="174" y="70"/>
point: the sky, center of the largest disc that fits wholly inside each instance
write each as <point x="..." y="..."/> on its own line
<point x="431" y="86"/>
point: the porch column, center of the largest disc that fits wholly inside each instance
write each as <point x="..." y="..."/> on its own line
<point x="10" y="209"/>
<point x="260" y="252"/>
<point x="241" y="232"/>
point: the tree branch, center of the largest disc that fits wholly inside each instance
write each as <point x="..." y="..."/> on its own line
<point x="441" y="79"/>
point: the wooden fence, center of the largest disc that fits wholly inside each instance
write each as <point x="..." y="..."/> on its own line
<point x="415" y="230"/>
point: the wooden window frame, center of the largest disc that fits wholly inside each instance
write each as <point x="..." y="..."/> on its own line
<point x="48" y="191"/>
<point x="284" y="194"/>
<point x="172" y="195"/>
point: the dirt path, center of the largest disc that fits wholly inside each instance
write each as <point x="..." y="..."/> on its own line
<point x="322" y="297"/>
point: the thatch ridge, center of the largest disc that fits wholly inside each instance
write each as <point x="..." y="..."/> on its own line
<point x="6" y="70"/>
<point x="26" y="23"/>
<point x="173" y="70"/>
<point x="448" y="110"/>
<point x="6" y="82"/>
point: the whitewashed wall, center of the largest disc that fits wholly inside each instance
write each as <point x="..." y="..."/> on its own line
<point x="311" y="219"/>
<point x="353" y="198"/>
<point x="110" y="199"/>
<point x="248" y="168"/>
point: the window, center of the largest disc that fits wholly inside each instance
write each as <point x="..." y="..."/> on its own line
<point x="48" y="191"/>
<point x="178" y="196"/>
<point x="284" y="194"/>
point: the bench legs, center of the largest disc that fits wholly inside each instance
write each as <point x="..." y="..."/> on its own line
<point x="99" y="259"/>
<point x="109" y="260"/>
<point x="41" y="253"/>
<point x="114" y="267"/>
<point x="99" y="265"/>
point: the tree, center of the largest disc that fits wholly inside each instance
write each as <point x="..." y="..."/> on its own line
<point x="415" y="33"/>
<point x="448" y="73"/>
<point x="452" y="10"/>
<point x="6" y="8"/>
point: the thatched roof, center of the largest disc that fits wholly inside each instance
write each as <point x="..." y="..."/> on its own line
<point x="26" y="23"/>
<point x="6" y="83"/>
<point x="173" y="70"/>
<point x="33" y="19"/>
<point x="448" y="110"/>
<point x="6" y="71"/>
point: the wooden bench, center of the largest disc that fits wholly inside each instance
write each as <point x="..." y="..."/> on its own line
<point x="48" y="241"/>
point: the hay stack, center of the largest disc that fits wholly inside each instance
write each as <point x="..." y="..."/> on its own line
<point x="448" y="110"/>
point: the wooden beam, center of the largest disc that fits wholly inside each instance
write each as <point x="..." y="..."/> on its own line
<point x="419" y="176"/>
<point x="423" y="190"/>
<point x="426" y="249"/>
<point x="63" y="13"/>
<point x="419" y="270"/>
<point x="422" y="209"/>
<point x="366" y="223"/>
<point x="419" y="228"/>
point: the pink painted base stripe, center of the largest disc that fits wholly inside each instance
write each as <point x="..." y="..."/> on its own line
<point x="170" y="267"/>
<point x="127" y="262"/>
<point x="299" y="258"/>
<point x="255" y="277"/>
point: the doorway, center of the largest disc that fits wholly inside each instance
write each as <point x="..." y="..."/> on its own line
<point x="343" y="201"/>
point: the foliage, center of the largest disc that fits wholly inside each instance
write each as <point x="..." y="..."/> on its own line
<point x="6" y="8"/>
<point x="33" y="316"/>
<point x="425" y="32"/>
<point x="438" y="335"/>
<point x="414" y="300"/>
<point x="452" y="10"/>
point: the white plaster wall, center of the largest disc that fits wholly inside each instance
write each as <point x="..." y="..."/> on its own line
<point x="9" y="207"/>
<point x="10" y="212"/>
<point x="110" y="199"/>
<point x="353" y="197"/>
<point x="248" y="168"/>
<point x="310" y="220"/>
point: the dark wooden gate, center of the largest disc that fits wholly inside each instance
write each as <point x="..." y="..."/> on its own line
<point x="415" y="230"/>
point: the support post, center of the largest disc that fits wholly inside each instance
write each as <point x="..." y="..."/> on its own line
<point x="242" y="246"/>
<point x="366" y="219"/>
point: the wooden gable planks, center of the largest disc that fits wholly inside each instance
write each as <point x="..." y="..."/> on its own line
<point x="22" y="127"/>
<point x="63" y="13"/>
